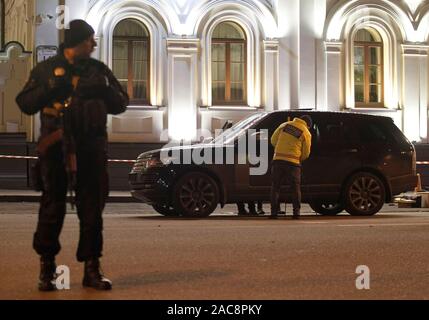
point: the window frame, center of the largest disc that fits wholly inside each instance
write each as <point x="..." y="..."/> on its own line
<point x="227" y="42"/>
<point x="130" y="40"/>
<point x="366" y="83"/>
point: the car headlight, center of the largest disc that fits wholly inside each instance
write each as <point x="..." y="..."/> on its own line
<point x="153" y="163"/>
<point x="146" y="162"/>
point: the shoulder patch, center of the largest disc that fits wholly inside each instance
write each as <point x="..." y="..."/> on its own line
<point x="59" y="72"/>
<point x="293" y="131"/>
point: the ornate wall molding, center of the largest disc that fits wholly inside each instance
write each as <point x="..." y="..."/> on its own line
<point x="183" y="18"/>
<point x="344" y="14"/>
<point x="105" y="28"/>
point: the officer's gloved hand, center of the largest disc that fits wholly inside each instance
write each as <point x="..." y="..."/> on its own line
<point x="94" y="86"/>
<point x="59" y="87"/>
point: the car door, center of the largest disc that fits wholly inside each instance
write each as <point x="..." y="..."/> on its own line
<point x="263" y="182"/>
<point x="335" y="154"/>
<point x="382" y="150"/>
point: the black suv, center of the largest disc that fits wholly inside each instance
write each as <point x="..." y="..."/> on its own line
<point x="358" y="162"/>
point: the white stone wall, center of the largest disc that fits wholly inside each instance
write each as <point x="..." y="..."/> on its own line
<point x="299" y="56"/>
<point x="403" y="26"/>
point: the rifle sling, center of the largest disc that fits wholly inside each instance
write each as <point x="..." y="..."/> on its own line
<point x="46" y="142"/>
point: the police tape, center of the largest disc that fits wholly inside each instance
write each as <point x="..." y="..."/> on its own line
<point x="121" y="161"/>
<point x="35" y="158"/>
<point x="420" y="163"/>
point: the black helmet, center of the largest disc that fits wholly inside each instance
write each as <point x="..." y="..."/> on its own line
<point x="77" y="32"/>
<point x="307" y="119"/>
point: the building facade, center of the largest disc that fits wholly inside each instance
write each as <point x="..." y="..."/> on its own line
<point x="196" y="64"/>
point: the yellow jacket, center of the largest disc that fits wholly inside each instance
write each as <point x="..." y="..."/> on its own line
<point x="292" y="141"/>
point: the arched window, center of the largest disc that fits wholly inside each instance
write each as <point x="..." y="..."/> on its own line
<point x="229" y="65"/>
<point x="368" y="68"/>
<point x="131" y="59"/>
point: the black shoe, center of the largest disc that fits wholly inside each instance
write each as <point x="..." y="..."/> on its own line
<point x="243" y="213"/>
<point x="282" y="213"/>
<point x="93" y="277"/>
<point x="261" y="212"/>
<point x="253" y="213"/>
<point x="47" y="274"/>
<point x="274" y="216"/>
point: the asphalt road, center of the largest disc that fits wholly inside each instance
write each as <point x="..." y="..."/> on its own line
<point x="226" y="257"/>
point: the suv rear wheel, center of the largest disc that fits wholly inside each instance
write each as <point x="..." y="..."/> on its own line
<point x="327" y="208"/>
<point x="196" y="195"/>
<point x="364" y="194"/>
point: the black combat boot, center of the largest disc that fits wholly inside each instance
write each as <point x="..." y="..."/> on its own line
<point x="260" y="211"/>
<point x="296" y="215"/>
<point x="47" y="274"/>
<point x="93" y="277"/>
<point x="274" y="215"/>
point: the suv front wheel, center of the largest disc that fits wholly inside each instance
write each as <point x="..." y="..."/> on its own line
<point x="196" y="195"/>
<point x="364" y="194"/>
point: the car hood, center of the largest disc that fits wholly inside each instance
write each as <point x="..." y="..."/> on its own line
<point x="156" y="153"/>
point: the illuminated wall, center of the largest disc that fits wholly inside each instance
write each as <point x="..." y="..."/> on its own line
<point x="19" y="22"/>
<point x="403" y="25"/>
<point x="299" y="55"/>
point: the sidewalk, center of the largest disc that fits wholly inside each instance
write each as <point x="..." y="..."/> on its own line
<point x="33" y="196"/>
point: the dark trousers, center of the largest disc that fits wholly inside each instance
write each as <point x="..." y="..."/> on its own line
<point x="281" y="172"/>
<point x="251" y="205"/>
<point x="91" y="194"/>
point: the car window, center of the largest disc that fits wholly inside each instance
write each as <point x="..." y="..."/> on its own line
<point x="371" y="132"/>
<point x="349" y="131"/>
<point x="397" y="135"/>
<point x="331" y="131"/>
<point x="238" y="129"/>
<point x="315" y="133"/>
<point x="273" y="121"/>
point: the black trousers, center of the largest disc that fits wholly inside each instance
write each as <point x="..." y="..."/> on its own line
<point x="91" y="194"/>
<point x="281" y="172"/>
<point x="251" y="205"/>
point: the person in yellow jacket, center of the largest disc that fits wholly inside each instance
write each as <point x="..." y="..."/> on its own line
<point x="292" y="143"/>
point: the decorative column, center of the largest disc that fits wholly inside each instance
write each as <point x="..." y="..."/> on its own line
<point x="307" y="53"/>
<point x="415" y="88"/>
<point x="271" y="75"/>
<point x="334" y="85"/>
<point x="182" y="88"/>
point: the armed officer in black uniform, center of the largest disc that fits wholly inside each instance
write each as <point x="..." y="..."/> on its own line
<point x="74" y="94"/>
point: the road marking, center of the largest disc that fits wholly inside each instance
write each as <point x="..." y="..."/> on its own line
<point x="384" y="225"/>
<point x="323" y="222"/>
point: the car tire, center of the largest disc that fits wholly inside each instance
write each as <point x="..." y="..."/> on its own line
<point x="327" y="208"/>
<point x="364" y="194"/>
<point x="196" y="195"/>
<point x="165" y="210"/>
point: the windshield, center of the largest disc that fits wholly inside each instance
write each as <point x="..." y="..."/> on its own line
<point x="238" y="129"/>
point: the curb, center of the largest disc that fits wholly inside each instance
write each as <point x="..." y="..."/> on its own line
<point x="36" y="198"/>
